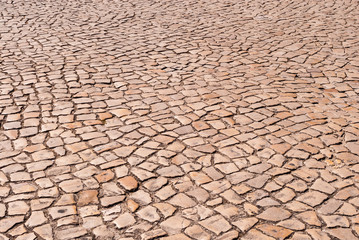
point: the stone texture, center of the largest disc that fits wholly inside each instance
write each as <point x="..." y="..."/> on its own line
<point x="159" y="119"/>
<point x="274" y="214"/>
<point x="175" y="224"/>
<point x="216" y="224"/>
<point x="124" y="220"/>
<point x="148" y="213"/>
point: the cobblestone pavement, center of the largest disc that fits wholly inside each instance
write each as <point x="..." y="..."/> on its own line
<point x="192" y="119"/>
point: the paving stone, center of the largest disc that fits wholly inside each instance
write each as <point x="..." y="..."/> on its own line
<point x="255" y="234"/>
<point x="292" y="224"/>
<point x="66" y="199"/>
<point x="230" y="195"/>
<point x="265" y="202"/>
<point x="59" y="212"/>
<point x="274" y="231"/>
<point x="346" y="193"/>
<point x="9" y="222"/>
<point x="44" y="231"/>
<point x="227" y="210"/>
<point x="124" y="220"/>
<point x="129" y="183"/>
<point x="165" y="209"/>
<point x="91" y="222"/>
<point x="41" y="203"/>
<point x="285" y="195"/>
<point x="298" y="185"/>
<point x="182" y="200"/>
<point x="330" y="206"/>
<point x="258" y="182"/>
<point x="336" y="221"/>
<point x="309" y="217"/>
<point x="197" y="232"/>
<point x="105" y="176"/>
<point x="70" y="233"/>
<point x="132" y="205"/>
<point x="36" y="218"/>
<point x="216" y="224"/>
<point x="341" y="233"/>
<point x="348" y="210"/>
<point x="29" y="236"/>
<point x="244" y="224"/>
<point x="238" y="177"/>
<point x="71" y="186"/>
<point x="300" y="236"/>
<point x="165" y="192"/>
<point x="153" y="234"/>
<point x="141" y="197"/>
<point x="175" y="224"/>
<point x="312" y="198"/>
<point x="108" y="201"/>
<point x="148" y="213"/>
<point x="18" y="208"/>
<point x="103" y="232"/>
<point x="17" y="231"/>
<point x="23" y="188"/>
<point x="87" y="197"/>
<point x="317" y="234"/>
<point x="274" y="214"/>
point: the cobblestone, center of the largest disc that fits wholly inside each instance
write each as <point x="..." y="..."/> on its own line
<point x="194" y="120"/>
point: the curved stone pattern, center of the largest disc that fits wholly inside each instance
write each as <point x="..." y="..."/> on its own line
<point x="192" y="119"/>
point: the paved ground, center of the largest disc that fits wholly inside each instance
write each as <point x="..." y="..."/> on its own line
<point x="193" y="119"/>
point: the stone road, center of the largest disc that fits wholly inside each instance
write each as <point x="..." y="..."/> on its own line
<point x="192" y="119"/>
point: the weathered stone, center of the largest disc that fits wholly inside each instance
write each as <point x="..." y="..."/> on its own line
<point x="244" y="224"/>
<point x="71" y="186"/>
<point x="341" y="233"/>
<point x="274" y="231"/>
<point x="44" y="231"/>
<point x="18" y="208"/>
<point x="312" y="198"/>
<point x="70" y="233"/>
<point x="336" y="221"/>
<point x="182" y="200"/>
<point x="310" y="218"/>
<point x="37" y="218"/>
<point x="216" y="224"/>
<point x="129" y="183"/>
<point x="149" y="214"/>
<point x="274" y="214"/>
<point x="174" y="224"/>
<point x="87" y="197"/>
<point x="124" y="220"/>
<point x="59" y="212"/>
<point x="255" y="234"/>
<point x="9" y="222"/>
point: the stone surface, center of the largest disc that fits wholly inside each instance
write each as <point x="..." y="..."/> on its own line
<point x="216" y="224"/>
<point x="275" y="231"/>
<point x="192" y="120"/>
<point x="124" y="220"/>
<point x="148" y="213"/>
<point x="174" y="225"/>
<point x="129" y="183"/>
<point x="274" y="214"/>
<point x="312" y="198"/>
<point x="37" y="218"/>
<point x="7" y="223"/>
<point x="70" y="233"/>
<point x="44" y="231"/>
